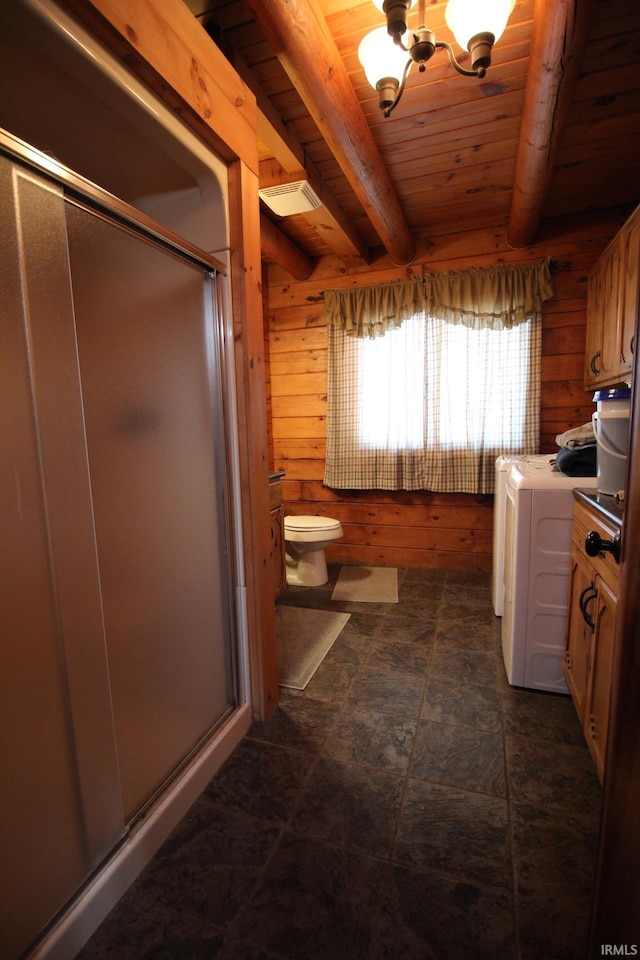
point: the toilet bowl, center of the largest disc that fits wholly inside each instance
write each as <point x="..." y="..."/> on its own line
<point x="305" y="542"/>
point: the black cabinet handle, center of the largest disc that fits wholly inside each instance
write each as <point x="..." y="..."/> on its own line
<point x="588" y="594"/>
<point x="592" y="364"/>
<point x="594" y="544"/>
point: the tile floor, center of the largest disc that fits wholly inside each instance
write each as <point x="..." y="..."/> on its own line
<point x="408" y="805"/>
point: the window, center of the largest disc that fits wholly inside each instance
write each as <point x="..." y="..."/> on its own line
<point x="428" y="402"/>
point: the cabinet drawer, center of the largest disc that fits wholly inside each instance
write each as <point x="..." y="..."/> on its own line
<point x="585" y="520"/>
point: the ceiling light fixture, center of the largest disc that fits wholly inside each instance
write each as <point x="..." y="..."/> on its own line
<point x="476" y="24"/>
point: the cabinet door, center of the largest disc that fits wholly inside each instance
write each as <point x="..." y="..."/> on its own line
<point x="603" y="310"/>
<point x="582" y="594"/>
<point x="600" y="671"/>
<point x="630" y="262"/>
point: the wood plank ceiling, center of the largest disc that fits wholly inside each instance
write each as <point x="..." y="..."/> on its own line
<point x="552" y="130"/>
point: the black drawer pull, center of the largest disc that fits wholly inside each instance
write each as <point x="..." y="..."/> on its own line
<point x="594" y="544"/>
<point x="588" y="594"/>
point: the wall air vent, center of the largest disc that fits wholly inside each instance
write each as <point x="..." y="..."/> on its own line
<point x="289" y="198"/>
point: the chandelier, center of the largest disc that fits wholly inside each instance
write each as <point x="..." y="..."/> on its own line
<point x="476" y="25"/>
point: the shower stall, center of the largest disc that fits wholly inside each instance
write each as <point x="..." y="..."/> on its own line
<point x="124" y="681"/>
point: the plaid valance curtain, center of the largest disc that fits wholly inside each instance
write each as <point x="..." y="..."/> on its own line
<point x="430" y="380"/>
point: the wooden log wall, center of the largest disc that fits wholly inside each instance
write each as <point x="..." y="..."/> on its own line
<point x="418" y="528"/>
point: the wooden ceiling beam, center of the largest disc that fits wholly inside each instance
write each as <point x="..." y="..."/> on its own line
<point x="330" y="221"/>
<point x="560" y="32"/>
<point x="303" y="43"/>
<point x="275" y="246"/>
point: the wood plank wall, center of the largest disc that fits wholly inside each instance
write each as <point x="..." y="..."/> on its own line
<point x="418" y="529"/>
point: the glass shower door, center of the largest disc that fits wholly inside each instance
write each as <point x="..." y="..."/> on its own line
<point x="149" y="370"/>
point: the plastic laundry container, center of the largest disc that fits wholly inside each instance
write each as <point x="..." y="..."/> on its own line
<point x="611" y="428"/>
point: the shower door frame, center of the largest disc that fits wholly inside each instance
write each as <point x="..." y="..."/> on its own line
<point x="140" y="839"/>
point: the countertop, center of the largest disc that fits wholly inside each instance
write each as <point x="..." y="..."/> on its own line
<point x="610" y="507"/>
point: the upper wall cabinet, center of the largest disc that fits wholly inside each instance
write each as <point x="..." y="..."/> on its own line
<point x="612" y="307"/>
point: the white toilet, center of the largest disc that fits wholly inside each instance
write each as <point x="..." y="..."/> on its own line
<point x="305" y="542"/>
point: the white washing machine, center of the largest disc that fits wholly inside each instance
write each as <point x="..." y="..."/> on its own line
<point x="538" y="519"/>
<point x="503" y="464"/>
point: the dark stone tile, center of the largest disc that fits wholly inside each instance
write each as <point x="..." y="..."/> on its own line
<point x="297" y="722"/>
<point x="225" y="833"/>
<point x="139" y="928"/>
<point x="186" y="949"/>
<point x="552" y="932"/>
<point x="460" y="833"/>
<point x="423" y="916"/>
<point x="554" y="856"/>
<point x="247" y="779"/>
<point x="460" y="756"/>
<point x="546" y="716"/>
<point x="421" y="590"/>
<point x="451" y="662"/>
<point x="400" y="658"/>
<point x="331" y="682"/>
<point x="207" y="869"/>
<point x="407" y="628"/>
<point x="556" y="775"/>
<point x="428" y="578"/>
<point x="242" y="949"/>
<point x="283" y="856"/>
<point x="358" y="634"/>
<point x="352" y="805"/>
<point x="373" y="609"/>
<point x="473" y="634"/>
<point x="376" y="739"/>
<point x="354" y="643"/>
<point x="317" y="597"/>
<point x="315" y="901"/>
<point x="472" y="593"/>
<point x="467" y="704"/>
<point x="503" y="685"/>
<point x="388" y="692"/>
<point x="472" y="579"/>
<point x="475" y="616"/>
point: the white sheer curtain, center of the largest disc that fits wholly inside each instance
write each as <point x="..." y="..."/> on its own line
<point x="423" y="401"/>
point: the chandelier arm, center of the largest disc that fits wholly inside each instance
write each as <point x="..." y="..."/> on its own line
<point x="399" y="42"/>
<point x="395" y="103"/>
<point x="480" y="72"/>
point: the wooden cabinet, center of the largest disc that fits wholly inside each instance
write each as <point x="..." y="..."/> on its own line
<point x="630" y="272"/>
<point x="600" y="672"/>
<point x="589" y="645"/>
<point x="582" y="593"/>
<point x="612" y="307"/>
<point x="277" y="567"/>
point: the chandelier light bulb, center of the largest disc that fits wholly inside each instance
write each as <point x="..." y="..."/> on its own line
<point x="469" y="18"/>
<point x="380" y="57"/>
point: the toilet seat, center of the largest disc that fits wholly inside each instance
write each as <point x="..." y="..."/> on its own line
<point x="306" y="524"/>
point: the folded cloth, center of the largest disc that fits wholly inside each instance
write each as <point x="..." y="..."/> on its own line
<point x="578" y="437"/>
<point x="582" y="462"/>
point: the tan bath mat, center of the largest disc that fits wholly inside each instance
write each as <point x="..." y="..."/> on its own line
<point x="303" y="639"/>
<point x="367" y="584"/>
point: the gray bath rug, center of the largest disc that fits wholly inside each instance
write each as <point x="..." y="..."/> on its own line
<point x="303" y="639"/>
<point x="367" y="585"/>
